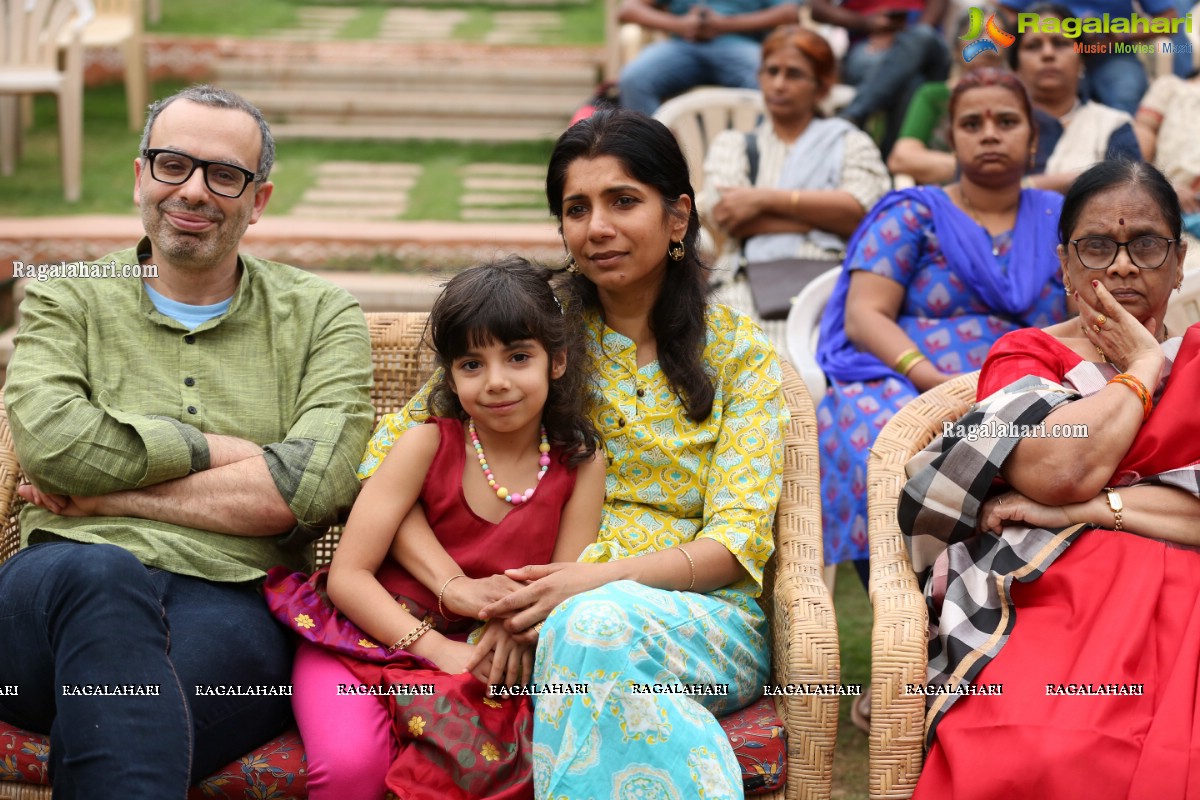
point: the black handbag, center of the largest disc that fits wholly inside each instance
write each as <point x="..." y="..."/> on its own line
<point x="774" y="284"/>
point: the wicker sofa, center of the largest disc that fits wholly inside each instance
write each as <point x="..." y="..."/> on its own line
<point x="805" y="646"/>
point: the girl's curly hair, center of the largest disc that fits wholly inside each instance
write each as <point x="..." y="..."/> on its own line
<point x="508" y="300"/>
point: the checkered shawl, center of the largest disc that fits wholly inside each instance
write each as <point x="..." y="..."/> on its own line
<point x="967" y="588"/>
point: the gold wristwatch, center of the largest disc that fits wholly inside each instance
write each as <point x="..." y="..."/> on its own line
<point x="1114" y="502"/>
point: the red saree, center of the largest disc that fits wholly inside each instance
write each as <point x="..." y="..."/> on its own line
<point x="1101" y="673"/>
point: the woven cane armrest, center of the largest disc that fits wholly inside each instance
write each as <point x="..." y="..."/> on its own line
<point x="799" y="609"/>
<point x="898" y="640"/>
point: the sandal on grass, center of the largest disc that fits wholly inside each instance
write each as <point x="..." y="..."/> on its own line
<point x="860" y="712"/>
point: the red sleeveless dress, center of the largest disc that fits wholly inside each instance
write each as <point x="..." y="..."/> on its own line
<point x="526" y="535"/>
<point x="456" y="743"/>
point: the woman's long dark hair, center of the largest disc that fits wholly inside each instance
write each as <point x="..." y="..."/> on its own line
<point x="649" y="154"/>
<point x="506" y="301"/>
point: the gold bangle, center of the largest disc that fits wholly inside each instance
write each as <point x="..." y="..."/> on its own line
<point x="691" y="564"/>
<point x="911" y="365"/>
<point x="406" y="641"/>
<point x="795" y="199"/>
<point x="907" y="360"/>
<point x="442" y="591"/>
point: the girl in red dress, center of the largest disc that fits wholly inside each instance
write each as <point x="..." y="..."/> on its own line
<point x="392" y="681"/>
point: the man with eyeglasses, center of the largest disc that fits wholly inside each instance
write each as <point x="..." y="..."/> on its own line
<point x="181" y="435"/>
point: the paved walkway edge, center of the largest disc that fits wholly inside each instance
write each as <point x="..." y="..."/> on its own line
<point x="314" y="244"/>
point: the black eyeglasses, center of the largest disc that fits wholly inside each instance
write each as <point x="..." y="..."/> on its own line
<point x="168" y="166"/>
<point x="1146" y="252"/>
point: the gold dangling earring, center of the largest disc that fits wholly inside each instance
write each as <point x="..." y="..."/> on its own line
<point x="571" y="266"/>
<point x="676" y="251"/>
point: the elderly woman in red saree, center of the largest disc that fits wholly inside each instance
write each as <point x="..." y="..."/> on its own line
<point x="1066" y="569"/>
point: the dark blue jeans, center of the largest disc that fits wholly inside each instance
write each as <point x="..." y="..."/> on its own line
<point x="91" y="615"/>
<point x="886" y="80"/>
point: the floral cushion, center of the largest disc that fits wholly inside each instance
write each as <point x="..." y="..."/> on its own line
<point x="760" y="744"/>
<point x="276" y="771"/>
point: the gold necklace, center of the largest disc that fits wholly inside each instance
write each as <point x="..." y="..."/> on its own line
<point x="973" y="214"/>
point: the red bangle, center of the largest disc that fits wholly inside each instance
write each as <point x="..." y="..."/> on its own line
<point x="1139" y="388"/>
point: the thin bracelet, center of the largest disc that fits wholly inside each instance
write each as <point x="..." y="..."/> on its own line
<point x="1138" y="388"/>
<point x="691" y="564"/>
<point x="795" y="199"/>
<point x="441" y="592"/>
<point x="406" y="641"/>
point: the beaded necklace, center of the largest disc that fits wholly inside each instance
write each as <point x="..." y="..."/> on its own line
<point x="502" y="492"/>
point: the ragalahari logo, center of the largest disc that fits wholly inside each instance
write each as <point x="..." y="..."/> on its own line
<point x="995" y="35"/>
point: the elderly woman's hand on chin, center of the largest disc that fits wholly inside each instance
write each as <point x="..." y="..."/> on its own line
<point x="1117" y="335"/>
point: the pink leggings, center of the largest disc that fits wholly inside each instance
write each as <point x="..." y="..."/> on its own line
<point x="347" y="738"/>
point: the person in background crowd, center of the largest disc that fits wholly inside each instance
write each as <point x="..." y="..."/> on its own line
<point x="896" y="45"/>
<point x="710" y="42"/>
<point x="1072" y="134"/>
<point x="815" y="177"/>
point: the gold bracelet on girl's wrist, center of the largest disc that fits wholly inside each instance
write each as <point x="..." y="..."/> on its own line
<point x="409" y="638"/>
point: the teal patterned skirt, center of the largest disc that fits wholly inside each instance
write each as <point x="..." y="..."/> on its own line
<point x="659" y="667"/>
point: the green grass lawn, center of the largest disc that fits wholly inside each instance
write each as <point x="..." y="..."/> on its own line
<point x="854" y="621"/>
<point x="35" y="189"/>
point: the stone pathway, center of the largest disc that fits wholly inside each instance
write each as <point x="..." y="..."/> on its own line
<point x="380" y="191"/>
<point x="358" y="190"/>
<point x="504" y="192"/>
<point x="525" y="27"/>
<point x="419" y="25"/>
<point x="315" y="24"/>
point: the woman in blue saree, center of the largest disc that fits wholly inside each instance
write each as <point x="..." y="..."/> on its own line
<point x="933" y="277"/>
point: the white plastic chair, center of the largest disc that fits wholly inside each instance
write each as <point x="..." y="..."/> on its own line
<point x="29" y="44"/>
<point x="118" y="24"/>
<point x="803" y="325"/>
<point x="696" y="117"/>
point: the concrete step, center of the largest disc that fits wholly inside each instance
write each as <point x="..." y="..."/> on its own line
<point x="295" y="103"/>
<point x="466" y="99"/>
<point x="478" y="130"/>
<point x="534" y="77"/>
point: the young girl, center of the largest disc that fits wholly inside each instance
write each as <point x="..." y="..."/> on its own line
<point x="388" y="692"/>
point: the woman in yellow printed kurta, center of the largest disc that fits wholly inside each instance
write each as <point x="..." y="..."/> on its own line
<point x="687" y="400"/>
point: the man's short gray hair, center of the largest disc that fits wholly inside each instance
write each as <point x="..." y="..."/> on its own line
<point x="216" y="97"/>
